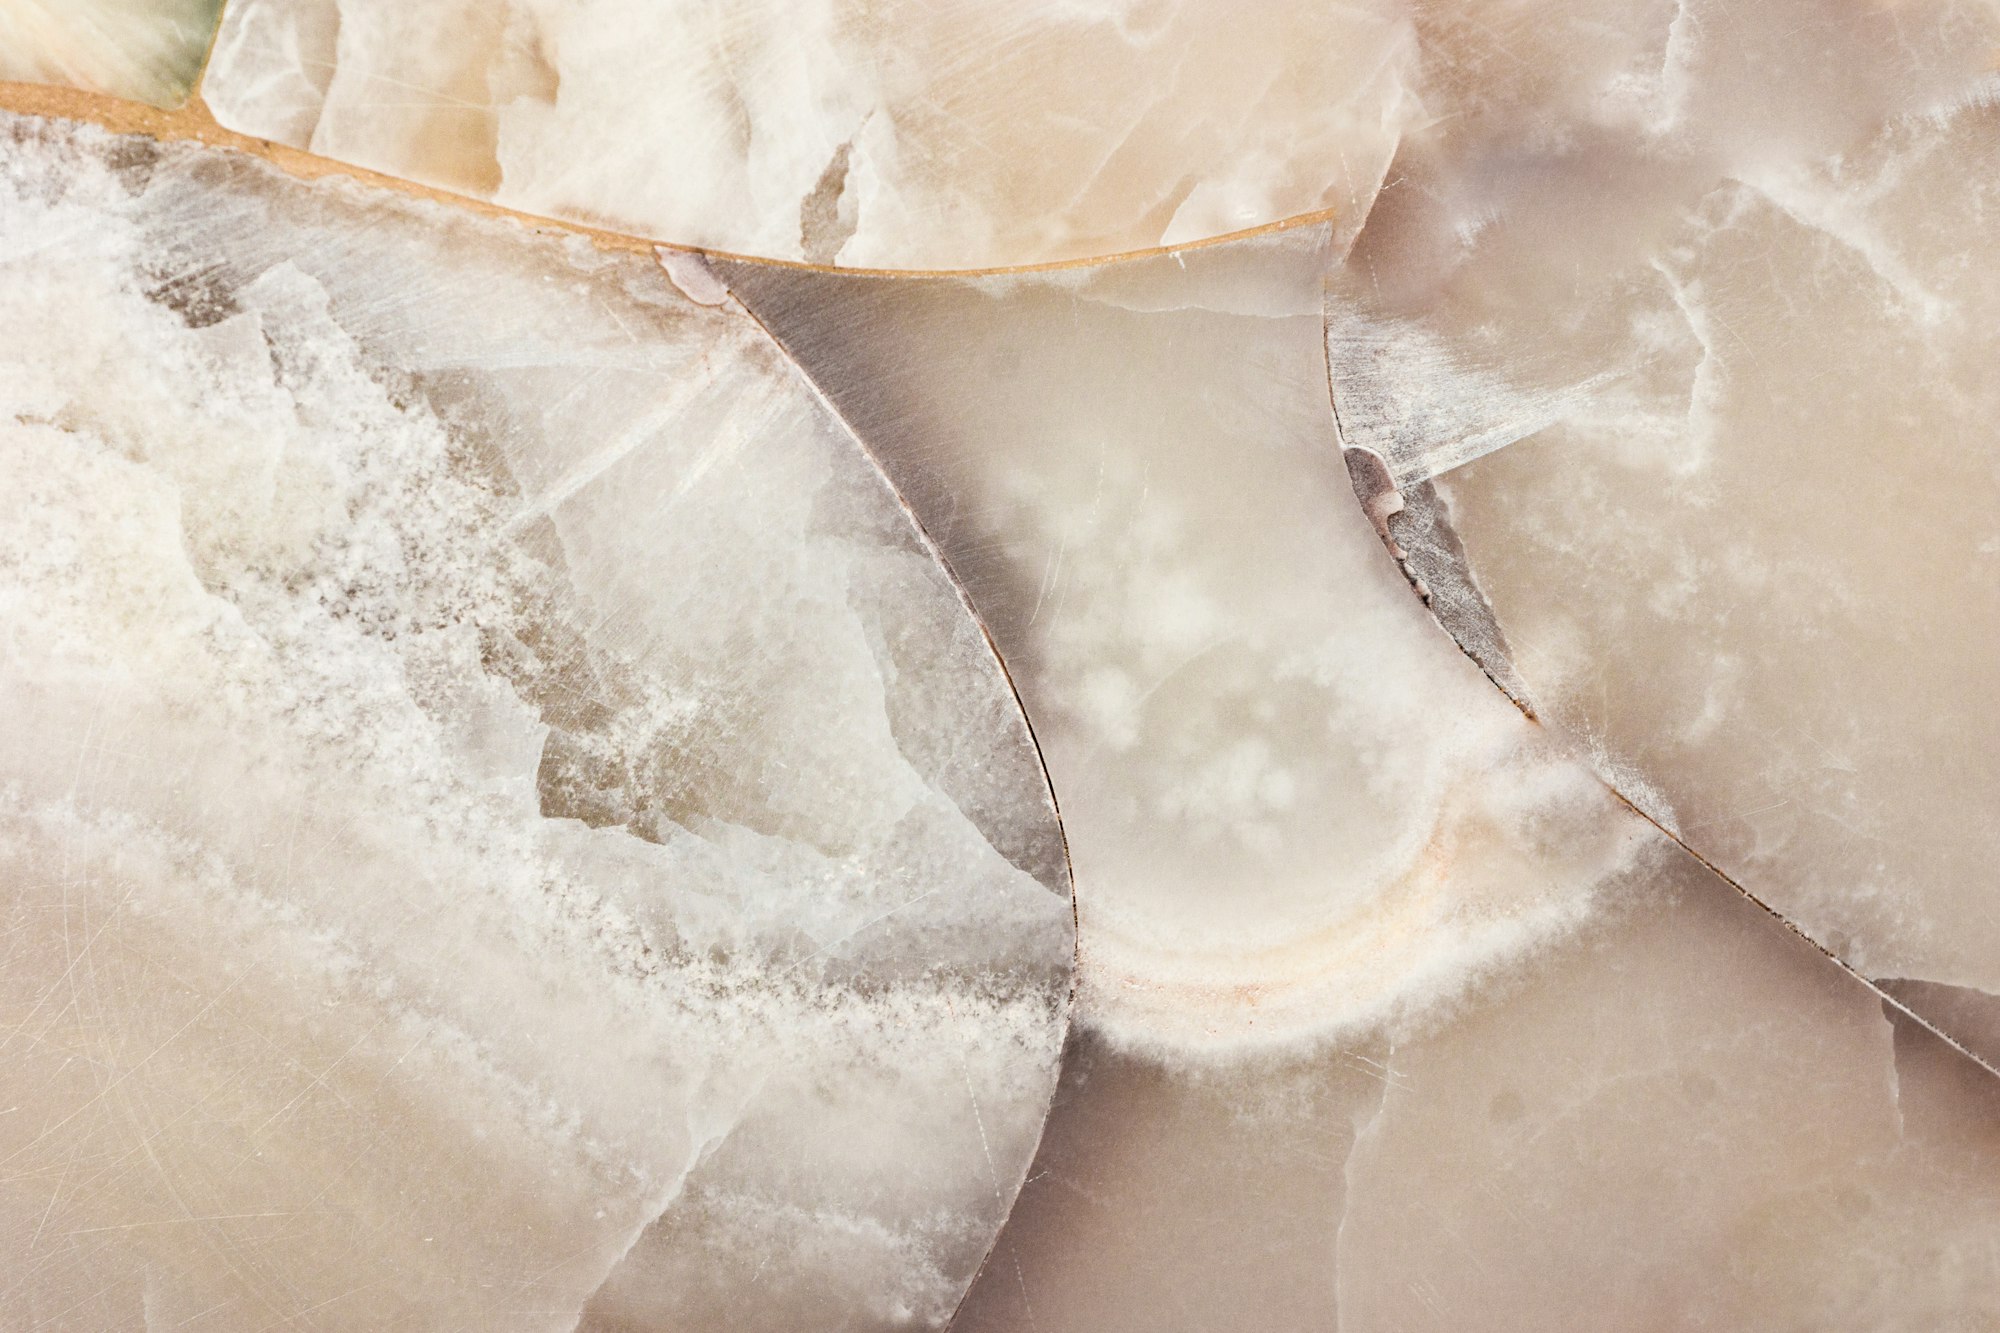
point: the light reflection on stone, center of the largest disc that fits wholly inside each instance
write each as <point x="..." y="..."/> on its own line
<point x="142" y="50"/>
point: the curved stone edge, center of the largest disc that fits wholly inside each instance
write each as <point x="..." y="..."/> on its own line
<point x="193" y="120"/>
<point x="1413" y="521"/>
<point x="191" y="124"/>
<point x="691" y="273"/>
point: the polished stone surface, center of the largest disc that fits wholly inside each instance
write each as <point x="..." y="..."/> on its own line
<point x="530" y="791"/>
<point x="1679" y="1117"/>
<point x="1292" y="808"/>
<point x="914" y="134"/>
<point x="1373" y="966"/>
<point x="1700" y="367"/>
<point x="501" y="812"/>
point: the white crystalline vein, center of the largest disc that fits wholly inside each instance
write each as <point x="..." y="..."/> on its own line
<point x="253" y="586"/>
<point x="1295" y="811"/>
<point x="977" y="135"/>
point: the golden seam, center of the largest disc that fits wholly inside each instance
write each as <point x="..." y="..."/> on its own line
<point x="194" y="122"/>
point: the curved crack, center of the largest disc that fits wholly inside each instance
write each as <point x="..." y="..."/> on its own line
<point x="1414" y="525"/>
<point x="194" y="121"/>
<point x="693" y="271"/>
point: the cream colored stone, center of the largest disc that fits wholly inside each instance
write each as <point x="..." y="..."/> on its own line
<point x="1669" y="329"/>
<point x="1695" y="332"/>
<point x="1408" y="1023"/>
<point x="1292" y="808"/>
<point x="1680" y="1117"/>
<point x="914" y="134"/>
<point x="499" y="810"/>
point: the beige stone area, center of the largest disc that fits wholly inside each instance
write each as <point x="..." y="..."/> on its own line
<point x="1291" y="806"/>
<point x="1391" y="1016"/>
<point x="143" y="50"/>
<point x="1679" y="1118"/>
<point x="500" y="810"/>
<point x="915" y="134"/>
<point x="519" y="811"/>
<point x="1696" y="340"/>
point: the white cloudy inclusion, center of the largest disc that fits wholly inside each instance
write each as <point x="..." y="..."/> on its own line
<point x="499" y="809"/>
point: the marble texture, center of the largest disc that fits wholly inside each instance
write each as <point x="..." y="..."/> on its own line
<point x="1391" y="1015"/>
<point x="141" y="50"/>
<point x="1692" y="338"/>
<point x="503" y="820"/>
<point x="915" y="134"/>
<point x="522" y="811"/>
<point x="1292" y="809"/>
<point x="1680" y="1117"/>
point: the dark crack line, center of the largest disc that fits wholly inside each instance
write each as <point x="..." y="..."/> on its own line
<point x="1390" y="545"/>
<point x="1527" y="712"/>
<point x="1884" y="996"/>
<point x="936" y="552"/>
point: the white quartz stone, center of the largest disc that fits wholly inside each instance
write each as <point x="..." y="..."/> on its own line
<point x="1665" y="323"/>
<point x="1292" y="808"/>
<point x="1696" y="335"/>
<point x="500" y="810"/>
<point x="910" y="134"/>
<point x="1391" y="1016"/>
<point x="1681" y="1117"/>
<point x="144" y="50"/>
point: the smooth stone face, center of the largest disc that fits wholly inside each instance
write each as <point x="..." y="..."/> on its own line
<point x="1391" y="1016"/>
<point x="914" y="134"/>
<point x="1292" y="807"/>
<point x="1691" y="1121"/>
<point x="1687" y="1119"/>
<point x="1701" y="358"/>
<point x="1681" y="1116"/>
<point x="501" y="812"/>
<point x="141" y="50"/>
<point x="1170" y="1196"/>
<point x="514" y="810"/>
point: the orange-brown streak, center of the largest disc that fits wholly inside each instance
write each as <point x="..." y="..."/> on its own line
<point x="194" y="122"/>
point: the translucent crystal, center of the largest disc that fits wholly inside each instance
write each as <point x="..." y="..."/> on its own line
<point x="911" y="134"/>
<point x="1292" y="808"/>
<point x="1695" y="342"/>
<point x="1390" y="1014"/>
<point x="500" y="810"/>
